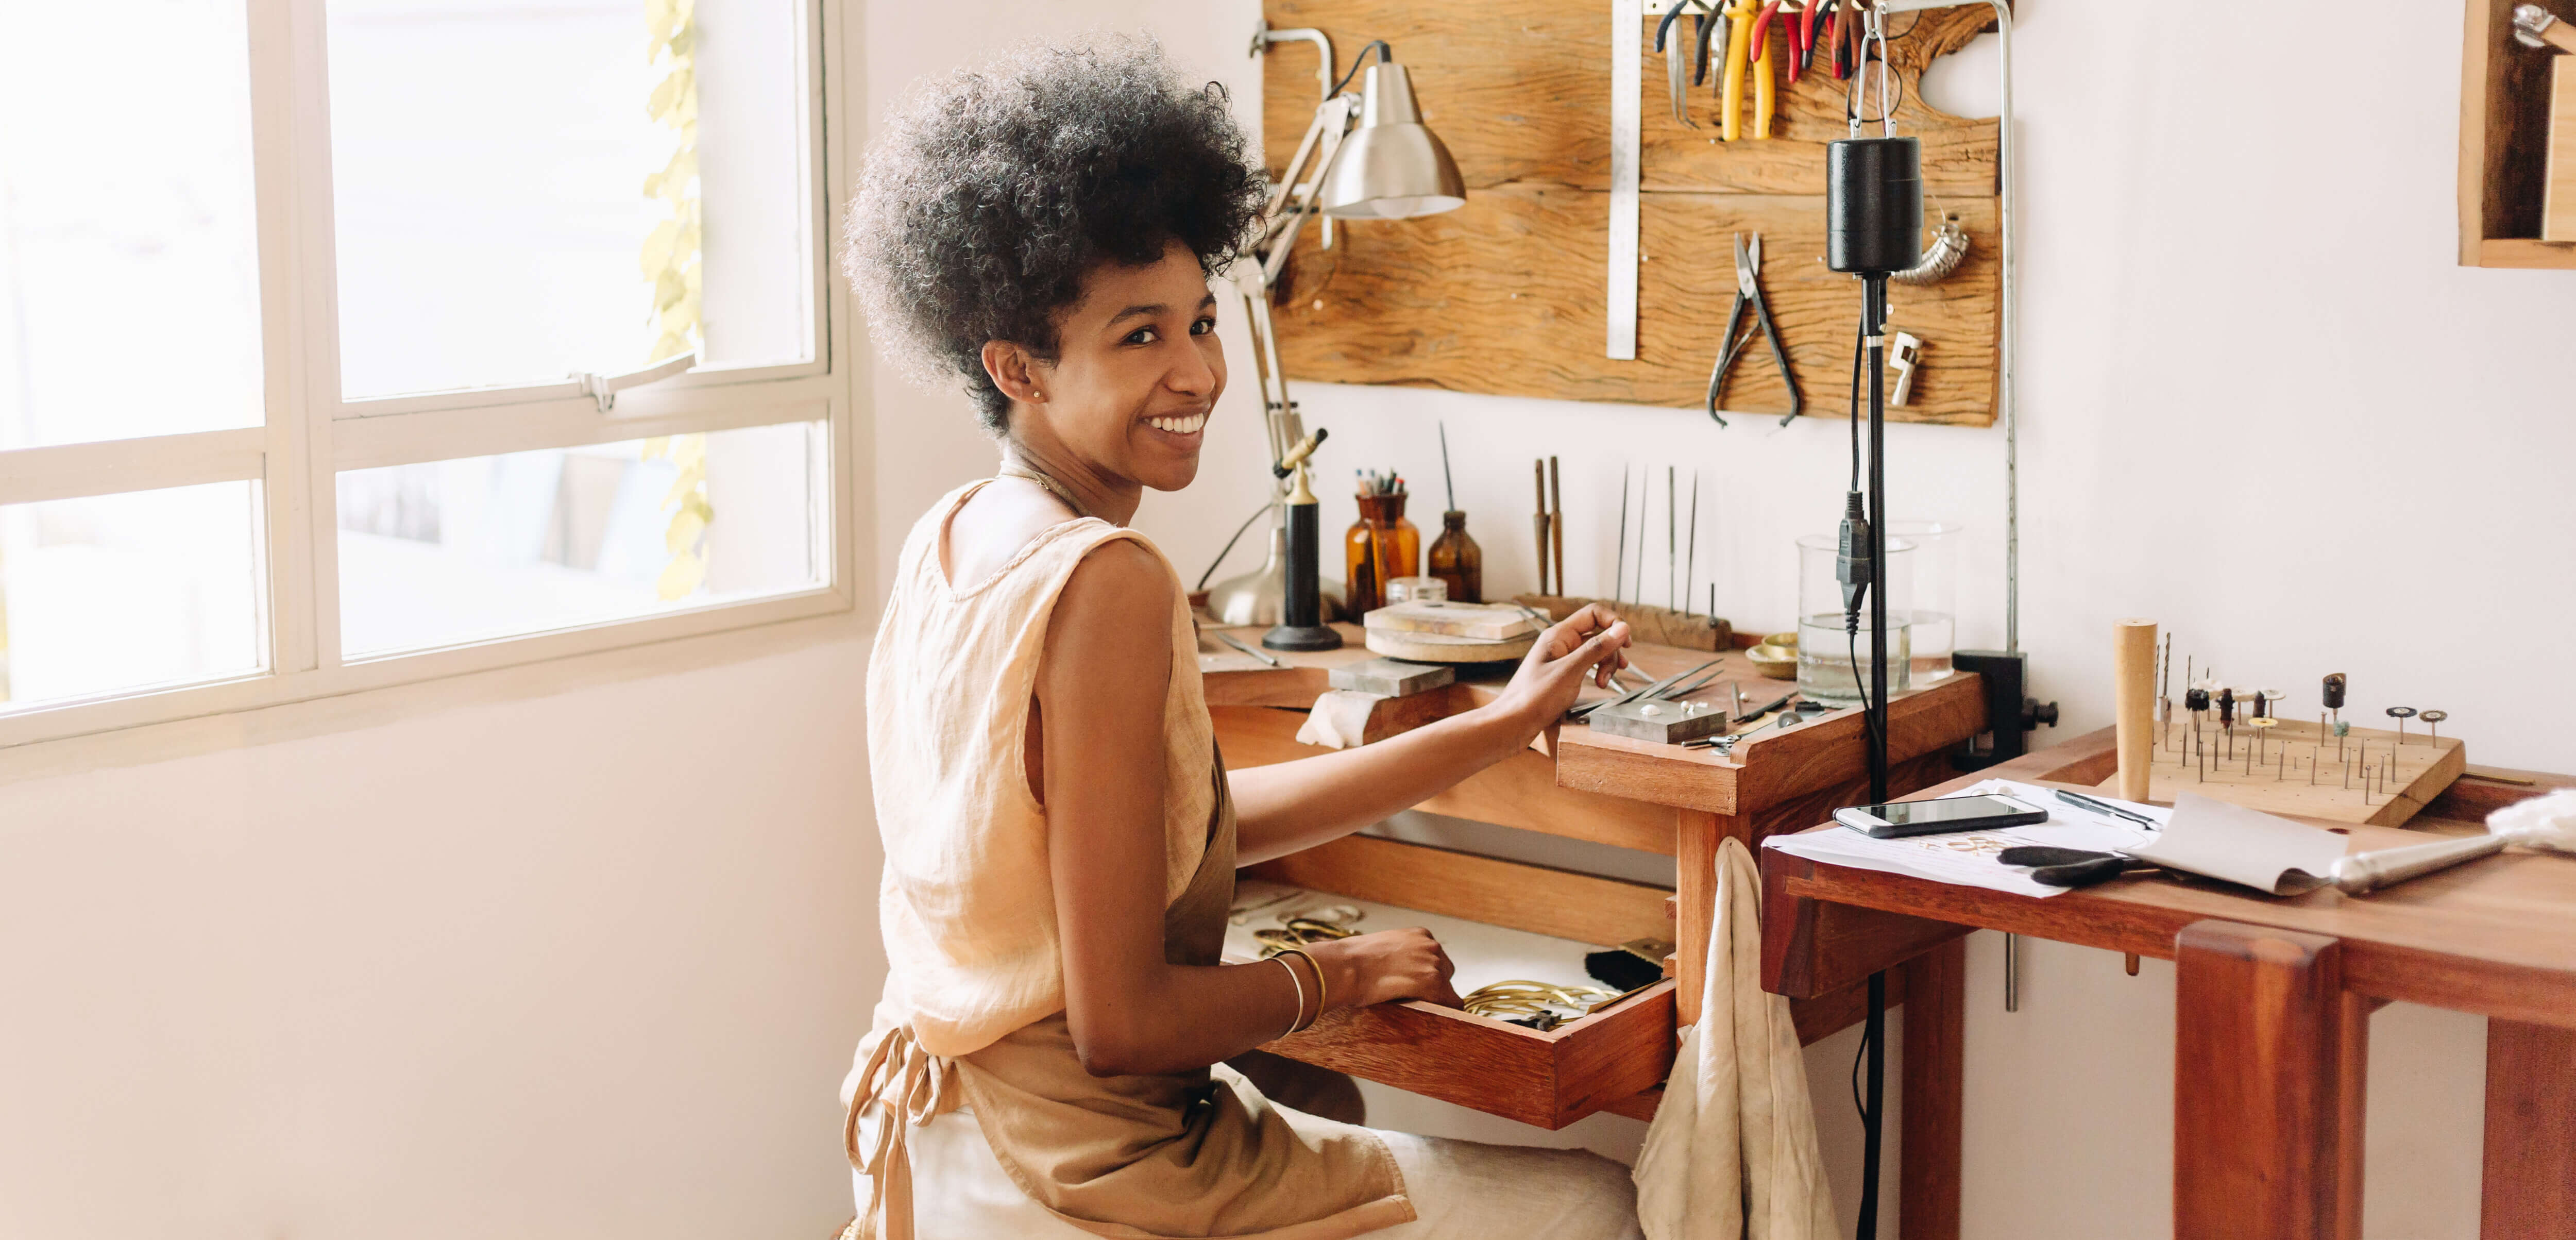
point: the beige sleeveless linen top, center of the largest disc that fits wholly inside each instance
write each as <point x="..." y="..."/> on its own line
<point x="974" y="1000"/>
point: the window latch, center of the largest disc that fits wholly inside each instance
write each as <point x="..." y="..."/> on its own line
<point x="604" y="388"/>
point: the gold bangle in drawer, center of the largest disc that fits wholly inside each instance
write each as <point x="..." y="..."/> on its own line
<point x="1525" y="998"/>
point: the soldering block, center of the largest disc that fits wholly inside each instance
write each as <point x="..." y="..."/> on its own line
<point x="1392" y="677"/>
<point x="1668" y="723"/>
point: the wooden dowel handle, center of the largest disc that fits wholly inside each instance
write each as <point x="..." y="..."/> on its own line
<point x="2133" y="702"/>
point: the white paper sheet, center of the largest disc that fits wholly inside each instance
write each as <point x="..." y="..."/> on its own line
<point x="1967" y="858"/>
<point x="2224" y="841"/>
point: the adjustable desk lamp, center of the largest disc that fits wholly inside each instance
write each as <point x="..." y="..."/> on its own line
<point x="1365" y="156"/>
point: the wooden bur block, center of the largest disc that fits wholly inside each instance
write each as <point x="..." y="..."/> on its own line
<point x="1392" y="677"/>
<point x="2322" y="779"/>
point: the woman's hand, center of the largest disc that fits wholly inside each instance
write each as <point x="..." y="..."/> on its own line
<point x="1551" y="676"/>
<point x="1386" y="966"/>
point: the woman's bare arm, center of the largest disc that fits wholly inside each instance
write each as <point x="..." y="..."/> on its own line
<point x="1289" y="806"/>
<point x="1098" y="759"/>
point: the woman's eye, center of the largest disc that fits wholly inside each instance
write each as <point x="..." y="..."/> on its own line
<point x="1143" y="335"/>
<point x="1203" y="327"/>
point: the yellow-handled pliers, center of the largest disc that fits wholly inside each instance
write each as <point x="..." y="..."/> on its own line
<point x="1730" y="79"/>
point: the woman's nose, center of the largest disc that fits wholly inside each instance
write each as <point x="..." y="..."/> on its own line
<point x="1195" y="374"/>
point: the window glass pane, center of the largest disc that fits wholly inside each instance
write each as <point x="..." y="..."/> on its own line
<point x="527" y="189"/>
<point x="129" y="274"/>
<point x="117" y="592"/>
<point x="495" y="546"/>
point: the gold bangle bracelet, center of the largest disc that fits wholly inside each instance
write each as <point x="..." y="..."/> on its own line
<point x="1300" y="984"/>
<point x="1320" y="993"/>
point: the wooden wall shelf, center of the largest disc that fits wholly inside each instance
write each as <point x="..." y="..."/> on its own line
<point x="2504" y="138"/>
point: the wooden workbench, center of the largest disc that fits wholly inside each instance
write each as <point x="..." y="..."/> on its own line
<point x="2274" y="996"/>
<point x="1572" y="783"/>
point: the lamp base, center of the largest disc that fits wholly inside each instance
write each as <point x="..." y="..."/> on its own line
<point x="1296" y="637"/>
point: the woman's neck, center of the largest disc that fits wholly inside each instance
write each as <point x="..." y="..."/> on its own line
<point x="1095" y="492"/>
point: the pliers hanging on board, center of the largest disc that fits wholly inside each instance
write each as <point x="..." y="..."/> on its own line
<point x="1748" y="291"/>
<point x="1766" y="82"/>
<point x="1675" y="91"/>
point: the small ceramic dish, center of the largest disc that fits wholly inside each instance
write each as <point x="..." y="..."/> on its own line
<point x="1774" y="661"/>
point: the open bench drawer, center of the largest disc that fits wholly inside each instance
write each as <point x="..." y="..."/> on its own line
<point x="1549" y="1079"/>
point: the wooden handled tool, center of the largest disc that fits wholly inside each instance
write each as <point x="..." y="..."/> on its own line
<point x="2133" y="702"/>
<point x="1539" y="523"/>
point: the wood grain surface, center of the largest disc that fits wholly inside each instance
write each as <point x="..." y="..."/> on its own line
<point x="2496" y="936"/>
<point x="1506" y="295"/>
<point x="1934" y="1096"/>
<point x="1548" y="1079"/>
<point x="1601" y="911"/>
<point x="2260" y="1056"/>
<point x="2295" y="770"/>
<point x="2529" y="1189"/>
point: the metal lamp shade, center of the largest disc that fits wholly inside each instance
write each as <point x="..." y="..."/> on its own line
<point x="1392" y="167"/>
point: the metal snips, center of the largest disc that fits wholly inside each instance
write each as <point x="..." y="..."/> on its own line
<point x="1748" y="292"/>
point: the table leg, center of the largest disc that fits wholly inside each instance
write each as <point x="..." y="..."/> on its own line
<point x="2529" y="1191"/>
<point x="2267" y="1086"/>
<point x="1928" y="1153"/>
<point x="1695" y="837"/>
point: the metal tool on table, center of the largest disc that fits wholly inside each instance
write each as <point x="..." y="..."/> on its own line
<point x="1619" y="566"/>
<point x="1690" y="557"/>
<point x="2358" y="873"/>
<point x="1255" y="651"/>
<point x="1748" y="291"/>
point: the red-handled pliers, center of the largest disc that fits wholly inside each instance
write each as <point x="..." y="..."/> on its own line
<point x="1806" y="38"/>
<point x="1800" y="33"/>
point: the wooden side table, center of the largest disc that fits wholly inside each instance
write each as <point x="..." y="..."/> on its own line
<point x="2274" y="995"/>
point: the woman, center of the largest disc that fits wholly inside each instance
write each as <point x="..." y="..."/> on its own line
<point x="1060" y="834"/>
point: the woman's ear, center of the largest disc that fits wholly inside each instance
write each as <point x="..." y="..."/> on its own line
<point x="1013" y="371"/>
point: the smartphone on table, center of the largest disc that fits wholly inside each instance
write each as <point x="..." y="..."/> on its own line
<point x="1902" y="818"/>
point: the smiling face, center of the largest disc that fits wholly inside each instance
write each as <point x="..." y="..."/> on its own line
<point x="1136" y="374"/>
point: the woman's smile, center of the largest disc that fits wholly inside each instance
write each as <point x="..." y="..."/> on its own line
<point x="1182" y="431"/>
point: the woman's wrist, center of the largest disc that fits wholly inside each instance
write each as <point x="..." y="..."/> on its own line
<point x="1340" y="974"/>
<point x="1505" y="727"/>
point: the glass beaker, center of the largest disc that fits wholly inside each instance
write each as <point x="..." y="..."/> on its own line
<point x="1934" y="611"/>
<point x="1826" y="669"/>
<point x="1380" y="547"/>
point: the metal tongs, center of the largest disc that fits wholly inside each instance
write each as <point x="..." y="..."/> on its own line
<point x="1668" y="688"/>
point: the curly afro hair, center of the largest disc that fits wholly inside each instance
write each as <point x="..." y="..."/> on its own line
<point x="993" y="192"/>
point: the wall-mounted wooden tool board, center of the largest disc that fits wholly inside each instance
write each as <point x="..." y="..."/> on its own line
<point x="1506" y="294"/>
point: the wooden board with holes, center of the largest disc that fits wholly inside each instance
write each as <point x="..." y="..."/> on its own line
<point x="1506" y="294"/>
<point x="2300" y="769"/>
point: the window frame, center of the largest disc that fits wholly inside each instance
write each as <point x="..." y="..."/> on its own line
<point x="310" y="432"/>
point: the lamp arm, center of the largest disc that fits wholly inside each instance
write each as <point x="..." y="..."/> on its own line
<point x="1293" y="200"/>
<point x="1263" y="38"/>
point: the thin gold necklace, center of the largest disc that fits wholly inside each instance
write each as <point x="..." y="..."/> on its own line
<point x="1013" y="469"/>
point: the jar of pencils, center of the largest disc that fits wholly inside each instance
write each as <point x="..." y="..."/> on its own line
<point x="1457" y="561"/>
<point x="1381" y="546"/>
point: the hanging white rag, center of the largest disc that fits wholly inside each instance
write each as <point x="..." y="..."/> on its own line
<point x="1732" y="1150"/>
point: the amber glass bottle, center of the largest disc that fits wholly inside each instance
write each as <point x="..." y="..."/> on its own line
<point x="1381" y="547"/>
<point x="1457" y="560"/>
